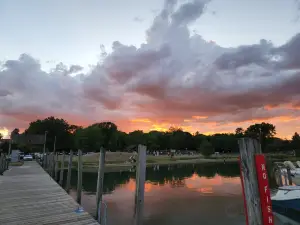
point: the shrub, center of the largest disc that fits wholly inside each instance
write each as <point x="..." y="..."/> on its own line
<point x="206" y="148"/>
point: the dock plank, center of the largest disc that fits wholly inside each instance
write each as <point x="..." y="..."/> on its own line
<point x="28" y="196"/>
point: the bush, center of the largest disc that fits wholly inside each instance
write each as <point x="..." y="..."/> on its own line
<point x="206" y="149"/>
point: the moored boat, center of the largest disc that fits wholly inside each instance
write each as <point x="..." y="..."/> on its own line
<point x="287" y="202"/>
<point x="294" y="170"/>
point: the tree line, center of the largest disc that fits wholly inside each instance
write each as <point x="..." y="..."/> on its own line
<point x="107" y="135"/>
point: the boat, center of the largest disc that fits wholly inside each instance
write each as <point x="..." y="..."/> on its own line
<point x="294" y="170"/>
<point x="284" y="220"/>
<point x="287" y="202"/>
<point x="296" y="180"/>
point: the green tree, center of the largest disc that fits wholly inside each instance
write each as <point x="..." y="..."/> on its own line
<point x="137" y="137"/>
<point x="108" y="130"/>
<point x="224" y="142"/>
<point x="295" y="143"/>
<point x="261" y="132"/>
<point x="54" y="127"/>
<point x="206" y="148"/>
<point x="239" y="132"/>
<point x="198" y="139"/>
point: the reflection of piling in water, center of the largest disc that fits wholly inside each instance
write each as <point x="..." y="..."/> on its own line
<point x="156" y="167"/>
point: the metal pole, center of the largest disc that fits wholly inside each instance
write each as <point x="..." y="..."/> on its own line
<point x="100" y="183"/>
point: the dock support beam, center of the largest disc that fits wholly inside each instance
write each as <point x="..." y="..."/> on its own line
<point x="248" y="148"/>
<point x="56" y="167"/>
<point x="79" y="179"/>
<point x="68" y="184"/>
<point x="62" y="168"/>
<point x="100" y="179"/>
<point x="140" y="185"/>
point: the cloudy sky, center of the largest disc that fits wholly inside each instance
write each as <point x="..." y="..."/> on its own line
<point x="207" y="66"/>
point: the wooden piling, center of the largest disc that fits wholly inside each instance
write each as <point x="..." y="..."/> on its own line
<point x="56" y="167"/>
<point x="79" y="177"/>
<point x="68" y="185"/>
<point x="48" y="161"/>
<point x="1" y="164"/>
<point x="140" y="185"/>
<point x="53" y="164"/>
<point x="62" y="167"/>
<point x="100" y="183"/>
<point x="248" y="148"/>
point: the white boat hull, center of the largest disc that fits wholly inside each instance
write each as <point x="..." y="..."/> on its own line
<point x="287" y="202"/>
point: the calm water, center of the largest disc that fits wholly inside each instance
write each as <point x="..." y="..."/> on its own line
<point x="174" y="195"/>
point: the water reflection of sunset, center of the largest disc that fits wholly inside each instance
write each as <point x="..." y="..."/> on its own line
<point x="195" y="183"/>
<point x="162" y="195"/>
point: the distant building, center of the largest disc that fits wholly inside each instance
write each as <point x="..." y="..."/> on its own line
<point x="32" y="139"/>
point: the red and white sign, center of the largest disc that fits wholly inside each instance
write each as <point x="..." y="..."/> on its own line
<point x="264" y="190"/>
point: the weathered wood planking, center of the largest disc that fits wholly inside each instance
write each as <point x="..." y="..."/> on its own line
<point x="248" y="148"/>
<point x="28" y="196"/>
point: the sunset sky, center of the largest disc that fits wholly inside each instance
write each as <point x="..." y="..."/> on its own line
<point x="207" y="66"/>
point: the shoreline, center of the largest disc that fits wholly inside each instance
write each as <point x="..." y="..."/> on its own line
<point x="115" y="165"/>
<point x="119" y="167"/>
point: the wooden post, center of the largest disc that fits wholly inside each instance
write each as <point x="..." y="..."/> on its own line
<point x="56" y="167"/>
<point x="9" y="146"/>
<point x="248" y="148"/>
<point x="100" y="183"/>
<point x="49" y="163"/>
<point x="53" y="164"/>
<point x="62" y="167"/>
<point x="6" y="162"/>
<point x="289" y="175"/>
<point x="140" y="185"/>
<point x="1" y="164"/>
<point x="69" y="171"/>
<point x="79" y="179"/>
<point x="45" y="161"/>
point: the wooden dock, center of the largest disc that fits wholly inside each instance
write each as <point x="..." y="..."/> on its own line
<point x="28" y="195"/>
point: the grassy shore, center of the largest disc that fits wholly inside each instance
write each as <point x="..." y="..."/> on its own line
<point x="118" y="161"/>
<point x="16" y="163"/>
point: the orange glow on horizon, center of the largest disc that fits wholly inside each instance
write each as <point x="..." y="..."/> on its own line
<point x="199" y="117"/>
<point x="140" y="121"/>
<point x="4" y="131"/>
